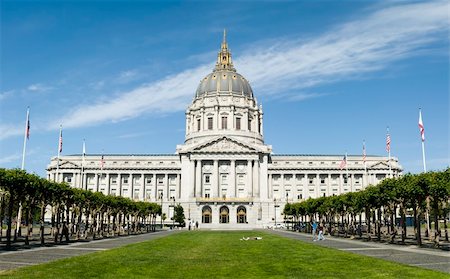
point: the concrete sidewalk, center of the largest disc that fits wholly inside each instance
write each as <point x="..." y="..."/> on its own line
<point x="15" y="259"/>
<point x="410" y="255"/>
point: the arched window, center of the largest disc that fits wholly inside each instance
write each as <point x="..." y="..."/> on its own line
<point x="206" y="215"/>
<point x="224" y="215"/>
<point x="241" y="215"/>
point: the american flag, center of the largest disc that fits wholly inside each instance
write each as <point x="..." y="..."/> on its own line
<point x="421" y="128"/>
<point x="364" y="152"/>
<point x="102" y="162"/>
<point x="28" y="124"/>
<point x="388" y="142"/>
<point x="343" y="162"/>
<point x="60" y="140"/>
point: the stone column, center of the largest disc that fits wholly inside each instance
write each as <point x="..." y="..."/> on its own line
<point x="232" y="185"/>
<point x="155" y="185"/>
<point x="250" y="178"/>
<point x="142" y="187"/>
<point x="215" y="179"/>
<point x="96" y="187"/>
<point x="108" y="184"/>
<point x="166" y="180"/>
<point x="329" y="190"/>
<point x="306" y="186"/>
<point x="130" y="186"/>
<point x="263" y="178"/>
<point x="256" y="174"/>
<point x="270" y="187"/>
<point x="198" y="179"/>
<point x="341" y="184"/>
<point x="119" y="184"/>
<point x="178" y="194"/>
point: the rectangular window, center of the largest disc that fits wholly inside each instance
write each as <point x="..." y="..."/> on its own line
<point x="149" y="180"/>
<point x="207" y="179"/>
<point x="238" y="123"/>
<point x="224" y="179"/>
<point x="249" y="124"/>
<point x="224" y="122"/>
<point x="210" y="123"/>
<point x="299" y="196"/>
<point x="322" y="181"/>
<point x="125" y="180"/>
<point x="113" y="180"/>
<point x="240" y="179"/>
<point x="198" y="124"/>
<point x="206" y="195"/>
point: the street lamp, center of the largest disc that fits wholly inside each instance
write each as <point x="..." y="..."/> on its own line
<point x="173" y="215"/>
<point x="161" y="197"/>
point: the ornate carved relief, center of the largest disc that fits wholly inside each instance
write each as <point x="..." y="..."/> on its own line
<point x="224" y="145"/>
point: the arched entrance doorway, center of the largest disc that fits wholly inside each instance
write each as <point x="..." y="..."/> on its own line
<point x="206" y="215"/>
<point x="241" y="215"/>
<point x="224" y="215"/>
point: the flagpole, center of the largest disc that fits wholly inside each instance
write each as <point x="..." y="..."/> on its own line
<point x="389" y="152"/>
<point x="364" y="161"/>
<point x="346" y="170"/>
<point x="82" y="164"/>
<point x="25" y="137"/>
<point x="59" y="151"/>
<point x="422" y="136"/>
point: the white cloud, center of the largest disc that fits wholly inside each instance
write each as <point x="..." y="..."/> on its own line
<point x="38" y="87"/>
<point x="10" y="158"/>
<point x="7" y="130"/>
<point x="6" y="94"/>
<point x="348" y="51"/>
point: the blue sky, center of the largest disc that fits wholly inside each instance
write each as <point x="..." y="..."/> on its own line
<point x="329" y="74"/>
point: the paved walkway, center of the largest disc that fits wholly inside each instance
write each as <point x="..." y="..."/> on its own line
<point x="15" y="259"/>
<point x="410" y="255"/>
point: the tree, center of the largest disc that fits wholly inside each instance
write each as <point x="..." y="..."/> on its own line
<point x="179" y="215"/>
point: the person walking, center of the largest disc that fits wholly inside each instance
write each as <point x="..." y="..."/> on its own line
<point x="320" y="237"/>
<point x="314" y="229"/>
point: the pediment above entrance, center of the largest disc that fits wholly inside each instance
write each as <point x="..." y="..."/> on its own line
<point x="379" y="165"/>
<point x="224" y="145"/>
<point x="68" y="165"/>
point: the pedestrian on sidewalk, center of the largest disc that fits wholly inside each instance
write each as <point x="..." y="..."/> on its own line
<point x="320" y="237"/>
<point x="314" y="229"/>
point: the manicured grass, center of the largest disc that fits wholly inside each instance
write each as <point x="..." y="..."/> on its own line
<point x="214" y="254"/>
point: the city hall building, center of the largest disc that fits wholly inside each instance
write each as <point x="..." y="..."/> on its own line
<point x="224" y="174"/>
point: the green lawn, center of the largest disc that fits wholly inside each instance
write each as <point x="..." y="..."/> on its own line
<point x="202" y="254"/>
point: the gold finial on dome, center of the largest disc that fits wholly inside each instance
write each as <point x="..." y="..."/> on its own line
<point x="224" y="57"/>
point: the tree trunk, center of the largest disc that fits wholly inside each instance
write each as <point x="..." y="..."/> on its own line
<point x="445" y="228"/>
<point x="58" y="220"/>
<point x="2" y="206"/>
<point x="379" y="224"/>
<point x="368" y="213"/>
<point x="27" y="220"/>
<point x="42" y="224"/>
<point x="437" y="231"/>
<point x="417" y="225"/>
<point x="9" y="223"/>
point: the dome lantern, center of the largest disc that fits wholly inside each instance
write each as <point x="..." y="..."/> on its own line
<point x="224" y="80"/>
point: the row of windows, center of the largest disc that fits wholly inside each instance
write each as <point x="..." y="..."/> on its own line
<point x="224" y="123"/>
